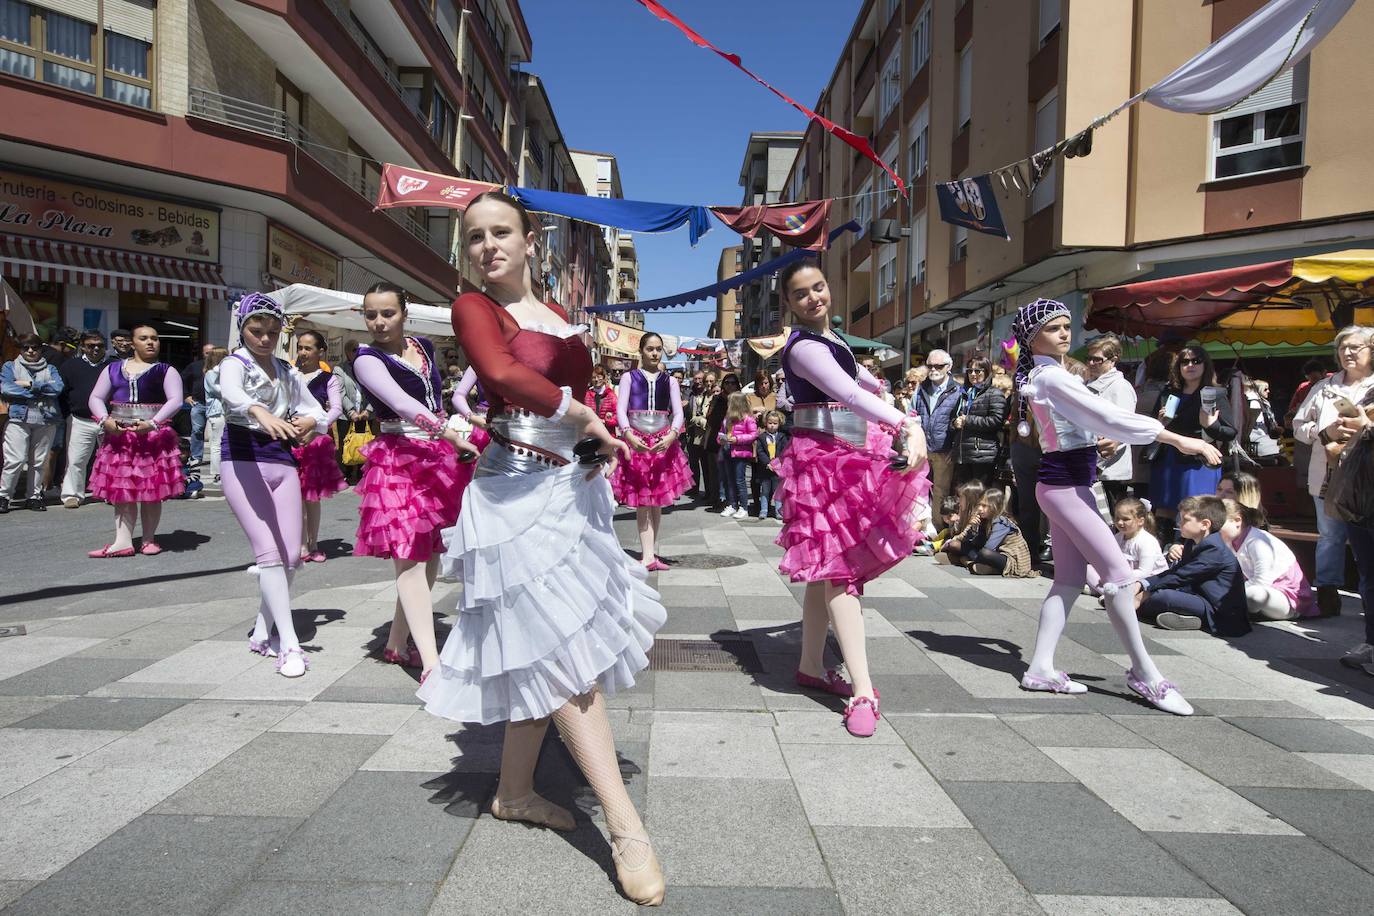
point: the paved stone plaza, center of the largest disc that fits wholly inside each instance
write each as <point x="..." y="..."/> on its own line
<point x="150" y="764"/>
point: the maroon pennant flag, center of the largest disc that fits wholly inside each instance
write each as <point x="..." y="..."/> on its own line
<point x="406" y="187"/>
<point x="797" y="225"/>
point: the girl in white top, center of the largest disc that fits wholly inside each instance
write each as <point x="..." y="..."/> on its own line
<point x="1275" y="586"/>
<point x="1135" y="532"/>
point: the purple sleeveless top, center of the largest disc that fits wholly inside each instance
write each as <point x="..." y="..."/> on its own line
<point x="424" y="385"/>
<point x="639" y="392"/>
<point x="239" y="443"/>
<point x="802" y="391"/>
<point x="319" y="387"/>
<point x="146" y="389"/>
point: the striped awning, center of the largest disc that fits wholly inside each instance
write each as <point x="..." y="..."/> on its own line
<point x="47" y="261"/>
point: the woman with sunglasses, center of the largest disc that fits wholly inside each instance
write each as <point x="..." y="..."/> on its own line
<point x="1191" y="406"/>
<point x="32" y="387"/>
<point x="139" y="463"/>
<point x="980" y="421"/>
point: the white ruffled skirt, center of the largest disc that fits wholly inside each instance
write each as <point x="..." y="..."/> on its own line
<point x="551" y="604"/>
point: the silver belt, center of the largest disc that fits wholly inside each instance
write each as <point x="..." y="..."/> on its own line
<point x="134" y="411"/>
<point x="649" y="421"/>
<point x="514" y="429"/>
<point x="402" y="428"/>
<point x="833" y="420"/>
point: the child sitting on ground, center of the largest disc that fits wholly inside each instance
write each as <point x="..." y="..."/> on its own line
<point x="970" y="494"/>
<point x="1275" y="586"/>
<point x="1135" y="535"/>
<point x="1207" y="588"/>
<point x="995" y="546"/>
<point x="949" y="521"/>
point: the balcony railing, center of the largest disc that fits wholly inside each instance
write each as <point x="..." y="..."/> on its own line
<point x="345" y="17"/>
<point x="349" y="168"/>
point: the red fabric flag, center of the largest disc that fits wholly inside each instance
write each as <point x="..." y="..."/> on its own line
<point x="406" y="187"/>
<point x="852" y="139"/>
<point x="797" y="225"/>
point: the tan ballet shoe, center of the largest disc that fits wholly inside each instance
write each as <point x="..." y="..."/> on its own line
<point x="642" y="883"/>
<point x="533" y="809"/>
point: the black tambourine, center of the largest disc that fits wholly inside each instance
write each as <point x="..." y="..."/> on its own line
<point x="588" y="452"/>
<point x="899" y="463"/>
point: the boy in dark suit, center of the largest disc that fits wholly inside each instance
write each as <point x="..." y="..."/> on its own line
<point x="770" y="444"/>
<point x="1206" y="588"/>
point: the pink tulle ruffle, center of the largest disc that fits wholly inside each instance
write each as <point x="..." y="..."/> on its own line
<point x="319" y="471"/>
<point x="652" y="478"/>
<point x="138" y="467"/>
<point x="847" y="517"/>
<point x="409" y="493"/>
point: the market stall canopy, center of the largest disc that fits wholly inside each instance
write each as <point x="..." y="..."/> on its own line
<point x="1296" y="301"/>
<point x="17" y="314"/>
<point x="333" y="308"/>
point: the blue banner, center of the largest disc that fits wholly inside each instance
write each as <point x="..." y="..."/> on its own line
<point x="970" y="202"/>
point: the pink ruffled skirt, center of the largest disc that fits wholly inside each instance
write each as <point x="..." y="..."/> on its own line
<point x="409" y="492"/>
<point x="652" y="478"/>
<point x="319" y="472"/>
<point x="847" y="517"/>
<point x="138" y="468"/>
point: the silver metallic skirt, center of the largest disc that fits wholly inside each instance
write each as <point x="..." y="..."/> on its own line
<point x="134" y="411"/>
<point x="649" y="421"/>
<point x="832" y="419"/>
<point x="523" y="442"/>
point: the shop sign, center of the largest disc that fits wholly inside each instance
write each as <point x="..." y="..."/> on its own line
<point x="292" y="259"/>
<point x="46" y="208"/>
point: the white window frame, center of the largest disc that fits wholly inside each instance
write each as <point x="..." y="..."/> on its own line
<point x="1051" y="12"/>
<point x="963" y="115"/>
<point x="887" y="188"/>
<point x="916" y="246"/>
<point x="887" y="274"/>
<point x="863" y="206"/>
<point x="1290" y="88"/>
<point x="603" y="170"/>
<point x="920" y="40"/>
<point x="890" y="7"/>
<point x="958" y="248"/>
<point x="890" y="88"/>
<point x="1046" y="132"/>
<point x="918" y="151"/>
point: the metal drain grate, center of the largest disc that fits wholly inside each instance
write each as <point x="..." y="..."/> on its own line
<point x="703" y="561"/>
<point x="704" y="655"/>
<point x="16" y="630"/>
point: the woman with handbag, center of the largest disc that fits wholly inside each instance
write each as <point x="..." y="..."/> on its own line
<point x="1190" y="406"/>
<point x="981" y="418"/>
<point x="31" y="386"/>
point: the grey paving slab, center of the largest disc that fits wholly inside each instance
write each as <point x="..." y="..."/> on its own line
<point x="511" y="868"/>
<point x="1274" y="876"/>
<point x="151" y="643"/>
<point x="429" y="744"/>
<point x="1102" y="638"/>
<point x="1341" y="820"/>
<point x="16" y="709"/>
<point x="1358" y="768"/>
<point x="29" y="754"/>
<point x="705" y="690"/>
<point x="902" y="870"/>
<point x="183" y="691"/>
<point x="192" y="737"/>
<point x="1059" y="838"/>
<point x="976" y="747"/>
<point x="1230" y="755"/>
<point x="1085" y="905"/>
<point x="1310" y="735"/>
<point x="159" y="864"/>
<point x="751" y="901"/>
<point x="111" y="623"/>
<point x="70" y="676"/>
<point x="320" y="898"/>
<point x="1227" y="707"/>
<point x="11" y="891"/>
<point x="867" y="785"/>
<point x="640" y="696"/>
<point x="946" y="597"/>
<point x="711" y="833"/>
<point x="818" y="726"/>
<point x="909" y="609"/>
<point x="275" y="775"/>
<point x="897" y="656"/>
<point x="1155" y="791"/>
<point x="692" y="596"/>
<point x="347" y="718"/>
<point x="1038" y="703"/>
<point x="103" y="713"/>
<point x="376" y="827"/>
<point x="701" y="621"/>
<point x="920" y="693"/>
<point x="764" y="607"/>
<point x="1091" y="730"/>
<point x="720" y="747"/>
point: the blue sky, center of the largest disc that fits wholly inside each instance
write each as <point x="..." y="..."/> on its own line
<point x="678" y="117"/>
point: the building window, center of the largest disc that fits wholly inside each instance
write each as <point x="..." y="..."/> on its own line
<point x="964" y="112"/>
<point x="958" y="247"/>
<point x="441" y="123"/>
<point x="917" y="246"/>
<point x="891" y="78"/>
<point x="43" y="44"/>
<point x="486" y="97"/>
<point x="918" y="154"/>
<point x="1049" y="19"/>
<point x="603" y="170"/>
<point x="920" y="40"/>
<point x="887" y="274"/>
<point x="887" y="188"/>
<point x="1264" y="134"/>
<point x="1046" y="132"/>
<point x="890" y="7"/>
<point x="863" y="206"/>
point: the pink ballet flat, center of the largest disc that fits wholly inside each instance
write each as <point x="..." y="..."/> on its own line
<point x="315" y="557"/>
<point x="861" y="716"/>
<point x="411" y="658"/>
<point x="263" y="648"/>
<point x="105" y="553"/>
<point x="1060" y="683"/>
<point x="831" y="683"/>
<point x="150" y="549"/>
<point x="1163" y="695"/>
<point x="657" y="566"/>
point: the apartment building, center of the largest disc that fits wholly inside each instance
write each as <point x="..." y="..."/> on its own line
<point x="955" y="88"/>
<point x="159" y="157"/>
<point x="600" y="175"/>
<point x="729" y="316"/>
<point x="768" y="158"/>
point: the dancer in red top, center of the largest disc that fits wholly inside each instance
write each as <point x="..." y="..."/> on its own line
<point x="553" y="614"/>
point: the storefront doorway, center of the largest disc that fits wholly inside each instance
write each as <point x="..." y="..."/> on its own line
<point x="179" y="320"/>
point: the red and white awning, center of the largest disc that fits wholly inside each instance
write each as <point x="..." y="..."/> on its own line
<point x="47" y="261"/>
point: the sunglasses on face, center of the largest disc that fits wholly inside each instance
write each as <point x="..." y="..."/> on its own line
<point x="1094" y="360"/>
<point x="937" y="365"/>
<point x="973" y="372"/>
<point x="1187" y="361"/>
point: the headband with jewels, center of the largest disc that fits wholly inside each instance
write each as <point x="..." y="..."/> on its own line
<point x="258" y="304"/>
